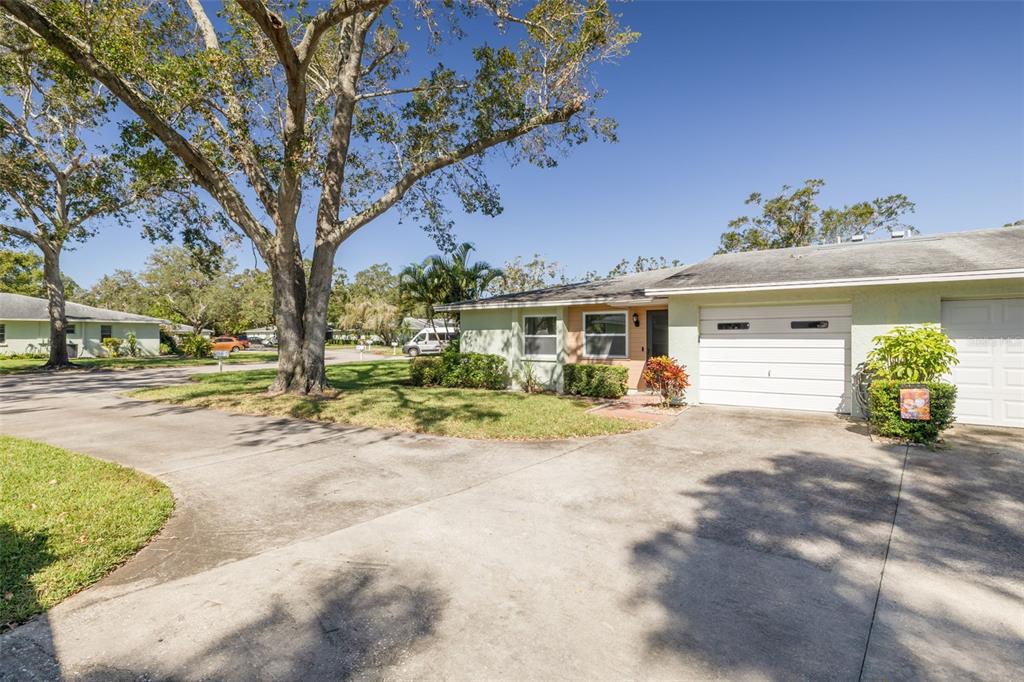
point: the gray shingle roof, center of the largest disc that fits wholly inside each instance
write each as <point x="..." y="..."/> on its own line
<point x="626" y="287"/>
<point x="18" y="307"/>
<point x="997" y="249"/>
<point x="941" y="254"/>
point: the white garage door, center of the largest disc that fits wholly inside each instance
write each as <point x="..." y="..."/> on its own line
<point x="989" y="340"/>
<point x="788" y="357"/>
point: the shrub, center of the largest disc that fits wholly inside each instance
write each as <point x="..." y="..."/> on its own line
<point x="131" y="345"/>
<point x="460" y="370"/>
<point x="911" y="354"/>
<point x="112" y="346"/>
<point x="667" y="377"/>
<point x="596" y="381"/>
<point x="196" y="346"/>
<point x="424" y="371"/>
<point x="167" y="339"/>
<point x="884" y="406"/>
<point x="527" y="378"/>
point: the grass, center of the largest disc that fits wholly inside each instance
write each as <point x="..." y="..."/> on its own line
<point x="18" y="365"/>
<point x="379" y="394"/>
<point x="66" y="520"/>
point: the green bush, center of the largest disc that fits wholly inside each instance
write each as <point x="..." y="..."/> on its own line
<point x="167" y="339"/>
<point x="196" y="346"/>
<point x="453" y="369"/>
<point x="884" y="407"/>
<point x="424" y="371"/>
<point x="112" y="346"/>
<point x="914" y="354"/>
<point x="131" y="345"/>
<point x="596" y="381"/>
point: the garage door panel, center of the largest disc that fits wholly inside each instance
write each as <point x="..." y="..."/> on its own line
<point x="973" y="408"/>
<point x="772" y="364"/>
<point x="763" y="384"/>
<point x="782" y="370"/>
<point x="989" y="339"/>
<point x="769" y="355"/>
<point x="775" y="341"/>
<point x="780" y="401"/>
<point x="973" y="376"/>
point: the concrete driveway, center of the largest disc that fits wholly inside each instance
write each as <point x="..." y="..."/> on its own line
<point x="730" y="544"/>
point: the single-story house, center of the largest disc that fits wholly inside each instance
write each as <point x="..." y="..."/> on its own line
<point x="180" y="331"/>
<point x="784" y="328"/>
<point x="25" y="327"/>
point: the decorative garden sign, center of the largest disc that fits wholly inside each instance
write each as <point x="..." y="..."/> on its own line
<point x="915" y="403"/>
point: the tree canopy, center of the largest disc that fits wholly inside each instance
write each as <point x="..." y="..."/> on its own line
<point x="21" y="272"/>
<point x="359" y="99"/>
<point x="793" y="218"/>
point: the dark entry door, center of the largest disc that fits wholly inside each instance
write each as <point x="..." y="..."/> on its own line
<point x="657" y="333"/>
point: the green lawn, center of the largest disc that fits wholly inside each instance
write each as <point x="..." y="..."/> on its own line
<point x="378" y="394"/>
<point x="13" y="366"/>
<point x="65" y="521"/>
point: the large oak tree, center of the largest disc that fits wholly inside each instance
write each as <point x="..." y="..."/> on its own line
<point x="270" y="99"/>
<point x="58" y="184"/>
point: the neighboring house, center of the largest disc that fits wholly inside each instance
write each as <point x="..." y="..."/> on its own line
<point x="25" y="327"/>
<point x="785" y="328"/>
<point x="415" y="324"/>
<point x="180" y="331"/>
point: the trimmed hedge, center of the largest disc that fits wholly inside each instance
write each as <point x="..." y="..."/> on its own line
<point x="460" y="370"/>
<point x="884" y="411"/>
<point x="596" y="381"/>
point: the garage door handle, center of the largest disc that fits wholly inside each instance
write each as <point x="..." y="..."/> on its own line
<point x="769" y="372"/>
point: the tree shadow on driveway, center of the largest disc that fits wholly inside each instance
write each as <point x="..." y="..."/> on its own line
<point x="778" y="575"/>
<point x="357" y="622"/>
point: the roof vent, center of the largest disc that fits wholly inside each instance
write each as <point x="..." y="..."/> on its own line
<point x="898" y="234"/>
<point x="857" y="238"/>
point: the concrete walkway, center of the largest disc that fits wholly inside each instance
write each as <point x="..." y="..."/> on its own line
<point x="727" y="544"/>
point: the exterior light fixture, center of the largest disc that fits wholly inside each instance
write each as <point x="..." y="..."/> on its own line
<point x="636" y="320"/>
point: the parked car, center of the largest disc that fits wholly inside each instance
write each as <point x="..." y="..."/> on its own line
<point x="231" y="343"/>
<point x="428" y="342"/>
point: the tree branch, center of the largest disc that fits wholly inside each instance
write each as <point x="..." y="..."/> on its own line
<point x="205" y="173"/>
<point x="332" y="16"/>
<point x="421" y="170"/>
<point x="404" y="91"/>
<point x="22" y="234"/>
<point x="243" y="149"/>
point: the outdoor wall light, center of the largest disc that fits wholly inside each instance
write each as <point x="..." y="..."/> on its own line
<point x="636" y="320"/>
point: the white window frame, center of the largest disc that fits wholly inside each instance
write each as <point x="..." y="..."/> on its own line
<point x="540" y="336"/>
<point x="3" y="334"/>
<point x="111" y="332"/>
<point x="625" y="316"/>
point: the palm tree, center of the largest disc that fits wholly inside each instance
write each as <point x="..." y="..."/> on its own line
<point x="445" y="278"/>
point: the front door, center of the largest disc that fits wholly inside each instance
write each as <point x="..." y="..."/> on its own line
<point x="657" y="333"/>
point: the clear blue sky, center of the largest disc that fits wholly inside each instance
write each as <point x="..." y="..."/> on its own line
<point x="721" y="99"/>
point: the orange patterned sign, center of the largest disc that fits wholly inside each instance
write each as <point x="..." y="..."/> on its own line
<point x="915" y="404"/>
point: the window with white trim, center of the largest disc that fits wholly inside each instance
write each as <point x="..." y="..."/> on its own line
<point x="3" y="333"/>
<point x="540" y="335"/>
<point x="604" y="335"/>
<point x="69" y="329"/>
<point x="106" y="331"/>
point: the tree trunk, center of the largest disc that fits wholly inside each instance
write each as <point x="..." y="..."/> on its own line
<point x="301" y="318"/>
<point x="55" y="297"/>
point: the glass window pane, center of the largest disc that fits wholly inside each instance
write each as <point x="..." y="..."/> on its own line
<point x="606" y="323"/>
<point x="606" y="346"/>
<point x="540" y="325"/>
<point x="540" y="345"/>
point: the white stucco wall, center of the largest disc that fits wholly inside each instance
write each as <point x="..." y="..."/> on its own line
<point x="876" y="310"/>
<point x="34" y="337"/>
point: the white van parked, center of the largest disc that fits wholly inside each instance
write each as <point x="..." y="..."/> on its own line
<point x="428" y="342"/>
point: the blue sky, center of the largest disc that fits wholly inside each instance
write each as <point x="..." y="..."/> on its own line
<point x="721" y="99"/>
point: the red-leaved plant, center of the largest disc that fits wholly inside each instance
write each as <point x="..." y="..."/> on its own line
<point x="667" y="377"/>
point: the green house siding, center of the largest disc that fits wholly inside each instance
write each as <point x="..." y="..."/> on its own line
<point x="876" y="310"/>
<point x="31" y="336"/>
<point x="500" y="332"/>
